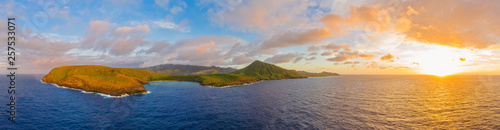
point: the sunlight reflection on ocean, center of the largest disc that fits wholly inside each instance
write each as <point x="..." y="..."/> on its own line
<point x="414" y="102"/>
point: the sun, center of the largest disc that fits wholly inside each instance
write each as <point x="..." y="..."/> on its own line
<point x="439" y="62"/>
<point x="439" y="68"/>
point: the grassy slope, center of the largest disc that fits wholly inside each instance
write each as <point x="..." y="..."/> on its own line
<point x="102" y="79"/>
<point x="215" y="79"/>
<point x="265" y="71"/>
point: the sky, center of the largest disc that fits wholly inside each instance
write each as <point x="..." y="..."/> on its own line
<point x="344" y="36"/>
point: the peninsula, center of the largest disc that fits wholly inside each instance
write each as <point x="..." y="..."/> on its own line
<point x="122" y="81"/>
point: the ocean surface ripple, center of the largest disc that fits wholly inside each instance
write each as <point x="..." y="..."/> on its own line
<point x="344" y="102"/>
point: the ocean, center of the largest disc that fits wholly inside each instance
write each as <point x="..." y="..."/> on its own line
<point x="343" y="102"/>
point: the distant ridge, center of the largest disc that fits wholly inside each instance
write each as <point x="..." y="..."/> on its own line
<point x="265" y="71"/>
<point x="177" y="69"/>
<point x="322" y="74"/>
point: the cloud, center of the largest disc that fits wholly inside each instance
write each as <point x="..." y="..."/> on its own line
<point x="97" y="27"/>
<point x="365" y="17"/>
<point x="347" y="55"/>
<point x="241" y="59"/>
<point x="40" y="53"/>
<point x="105" y="37"/>
<point x="182" y="26"/>
<point x="326" y="53"/>
<point x="208" y="50"/>
<point x="455" y="23"/>
<point x="461" y="24"/>
<point x="259" y="15"/>
<point x="310" y="58"/>
<point x="336" y="48"/>
<point x="292" y="38"/>
<point x="462" y="59"/>
<point x="127" y="30"/>
<point x="297" y="59"/>
<point x="313" y="48"/>
<point x="388" y="57"/>
<point x="281" y="58"/>
<point x="402" y="67"/>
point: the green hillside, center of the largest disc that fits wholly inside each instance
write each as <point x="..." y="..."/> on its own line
<point x="265" y="71"/>
<point x="218" y="80"/>
<point x="102" y="79"/>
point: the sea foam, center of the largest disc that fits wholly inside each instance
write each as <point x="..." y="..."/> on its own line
<point x="83" y="91"/>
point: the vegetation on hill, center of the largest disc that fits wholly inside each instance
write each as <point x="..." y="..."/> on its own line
<point x="102" y="79"/>
<point x="322" y="74"/>
<point x="218" y="80"/>
<point x="120" y="81"/>
<point x="265" y="71"/>
<point x="174" y="69"/>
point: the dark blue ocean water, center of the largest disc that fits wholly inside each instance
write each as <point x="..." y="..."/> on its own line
<point x="345" y="102"/>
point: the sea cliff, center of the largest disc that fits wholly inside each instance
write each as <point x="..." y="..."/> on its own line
<point x="102" y="79"/>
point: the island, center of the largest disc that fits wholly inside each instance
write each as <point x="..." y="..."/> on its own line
<point x="102" y="79"/>
<point x="129" y="81"/>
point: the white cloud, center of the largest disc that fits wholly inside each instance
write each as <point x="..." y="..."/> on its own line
<point x="182" y="26"/>
<point x="283" y="58"/>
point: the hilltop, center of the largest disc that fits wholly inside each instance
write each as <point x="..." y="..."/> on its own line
<point x="175" y="69"/>
<point x="254" y="72"/>
<point x="265" y="71"/>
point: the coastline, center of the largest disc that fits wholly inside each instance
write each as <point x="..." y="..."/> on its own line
<point x="87" y="92"/>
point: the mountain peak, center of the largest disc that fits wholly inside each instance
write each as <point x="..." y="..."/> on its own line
<point x="256" y="61"/>
<point x="262" y="70"/>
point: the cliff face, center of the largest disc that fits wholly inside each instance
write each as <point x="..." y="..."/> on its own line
<point x="101" y="79"/>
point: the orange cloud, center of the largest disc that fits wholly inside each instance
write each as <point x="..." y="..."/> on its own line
<point x="388" y="57"/>
<point x="364" y="16"/>
<point x="292" y="38"/>
<point x="203" y="47"/>
<point x="462" y="59"/>
<point x="347" y="55"/>
<point x="455" y="23"/>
